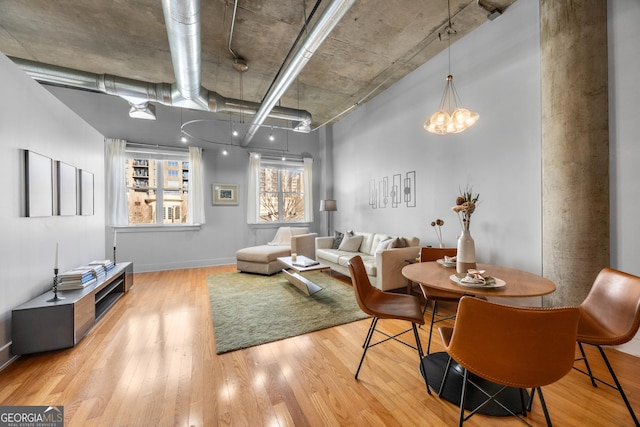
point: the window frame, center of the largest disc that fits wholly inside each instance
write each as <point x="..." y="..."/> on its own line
<point x="280" y="165"/>
<point x="159" y="156"/>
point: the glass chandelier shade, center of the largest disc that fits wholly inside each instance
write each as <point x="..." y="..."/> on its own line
<point x="450" y="118"/>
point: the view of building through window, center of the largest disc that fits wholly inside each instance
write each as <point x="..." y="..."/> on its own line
<point x="157" y="190"/>
<point x="281" y="193"/>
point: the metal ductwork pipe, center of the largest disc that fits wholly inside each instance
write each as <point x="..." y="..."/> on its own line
<point x="182" y="19"/>
<point x="330" y="17"/>
<point x="138" y="93"/>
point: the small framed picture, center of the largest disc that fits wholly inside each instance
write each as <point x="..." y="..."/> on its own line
<point x="225" y="194"/>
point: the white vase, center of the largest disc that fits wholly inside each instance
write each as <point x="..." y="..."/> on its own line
<point x="466" y="256"/>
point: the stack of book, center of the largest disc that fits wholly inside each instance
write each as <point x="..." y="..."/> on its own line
<point x="107" y="264"/>
<point x="76" y="279"/>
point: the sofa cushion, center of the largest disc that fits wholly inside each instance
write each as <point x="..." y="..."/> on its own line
<point x="369" y="262"/>
<point x="331" y="255"/>
<point x="367" y="241"/>
<point x="384" y="244"/>
<point x="350" y="243"/>
<point x="263" y="253"/>
<point x="377" y="238"/>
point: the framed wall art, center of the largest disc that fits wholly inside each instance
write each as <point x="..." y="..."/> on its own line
<point x="38" y="184"/>
<point x="86" y="192"/>
<point x="225" y="194"/>
<point x="67" y="189"/>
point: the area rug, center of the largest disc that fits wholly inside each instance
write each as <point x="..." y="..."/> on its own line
<point x="250" y="309"/>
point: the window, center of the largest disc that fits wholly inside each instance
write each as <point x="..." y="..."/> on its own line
<point x="157" y="188"/>
<point x="282" y="194"/>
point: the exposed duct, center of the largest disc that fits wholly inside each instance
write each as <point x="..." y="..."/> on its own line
<point x="183" y="29"/>
<point x="139" y="93"/>
<point x="330" y="17"/>
<point x="182" y="19"/>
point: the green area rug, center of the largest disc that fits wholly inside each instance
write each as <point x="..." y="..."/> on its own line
<point x="250" y="309"/>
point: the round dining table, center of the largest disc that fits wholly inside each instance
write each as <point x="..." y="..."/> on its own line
<point x="508" y="283"/>
<point x="517" y="283"/>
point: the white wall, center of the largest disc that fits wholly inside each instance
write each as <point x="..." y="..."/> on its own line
<point x="497" y="76"/>
<point x="624" y="135"/>
<point x="32" y="119"/>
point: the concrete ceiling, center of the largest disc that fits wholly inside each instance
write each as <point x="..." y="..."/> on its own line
<point x="376" y="43"/>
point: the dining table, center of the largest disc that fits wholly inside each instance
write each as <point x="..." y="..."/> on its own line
<point x="504" y="283"/>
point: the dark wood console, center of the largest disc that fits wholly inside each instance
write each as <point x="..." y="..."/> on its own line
<point x="40" y="325"/>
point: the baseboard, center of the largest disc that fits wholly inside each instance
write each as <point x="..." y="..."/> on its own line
<point x="146" y="268"/>
<point x="6" y="358"/>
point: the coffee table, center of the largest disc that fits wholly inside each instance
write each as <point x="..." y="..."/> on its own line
<point x="296" y="278"/>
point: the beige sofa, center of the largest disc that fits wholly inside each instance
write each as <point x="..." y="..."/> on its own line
<point x="263" y="259"/>
<point x="383" y="263"/>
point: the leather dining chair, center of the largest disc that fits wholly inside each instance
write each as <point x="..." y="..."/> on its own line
<point x="610" y="315"/>
<point x="385" y="305"/>
<point x="433" y="295"/>
<point x="518" y="347"/>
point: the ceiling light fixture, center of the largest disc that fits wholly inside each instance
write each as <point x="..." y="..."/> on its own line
<point x="450" y="117"/>
<point x="271" y="137"/>
<point x="225" y="152"/>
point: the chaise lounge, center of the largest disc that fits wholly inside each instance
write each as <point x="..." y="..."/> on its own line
<point x="263" y="259"/>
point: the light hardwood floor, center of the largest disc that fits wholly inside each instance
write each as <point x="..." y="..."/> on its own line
<point x="151" y="362"/>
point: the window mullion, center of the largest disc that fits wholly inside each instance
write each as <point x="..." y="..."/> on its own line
<point x="159" y="192"/>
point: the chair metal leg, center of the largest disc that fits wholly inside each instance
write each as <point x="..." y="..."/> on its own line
<point x="372" y="328"/>
<point x="367" y="341"/>
<point x="544" y="406"/>
<point x="619" y="387"/>
<point x="586" y="363"/>
<point x="530" y="401"/>
<point x="433" y="316"/>
<point x="463" y="396"/>
<point x="522" y="403"/>
<point x="421" y="354"/>
<point x="593" y="378"/>
<point x="445" y="375"/>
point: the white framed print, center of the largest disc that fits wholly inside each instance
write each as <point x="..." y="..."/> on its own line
<point x="225" y="194"/>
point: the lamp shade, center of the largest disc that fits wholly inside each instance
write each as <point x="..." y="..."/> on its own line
<point x="328" y="205"/>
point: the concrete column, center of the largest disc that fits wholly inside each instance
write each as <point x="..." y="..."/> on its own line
<point x="575" y="146"/>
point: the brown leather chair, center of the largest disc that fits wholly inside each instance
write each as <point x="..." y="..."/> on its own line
<point x="385" y="305"/>
<point x="434" y="295"/>
<point x="510" y="346"/>
<point x="610" y="315"/>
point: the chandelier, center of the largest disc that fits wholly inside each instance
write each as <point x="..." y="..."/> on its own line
<point x="450" y="117"/>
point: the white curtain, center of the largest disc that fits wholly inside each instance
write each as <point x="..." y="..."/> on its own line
<point x="253" y="189"/>
<point x="308" y="192"/>
<point x="116" y="182"/>
<point x="196" y="186"/>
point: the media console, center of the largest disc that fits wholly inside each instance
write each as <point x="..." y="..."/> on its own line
<point x="41" y="325"/>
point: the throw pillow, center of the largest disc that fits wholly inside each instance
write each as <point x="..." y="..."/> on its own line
<point x="282" y="237"/>
<point x="398" y="242"/>
<point x="350" y="243"/>
<point x="337" y="239"/>
<point x="383" y="245"/>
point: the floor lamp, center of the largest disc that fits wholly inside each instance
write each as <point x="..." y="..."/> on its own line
<point x="328" y="206"/>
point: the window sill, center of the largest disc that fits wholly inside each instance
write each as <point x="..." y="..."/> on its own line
<point x="153" y="228"/>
